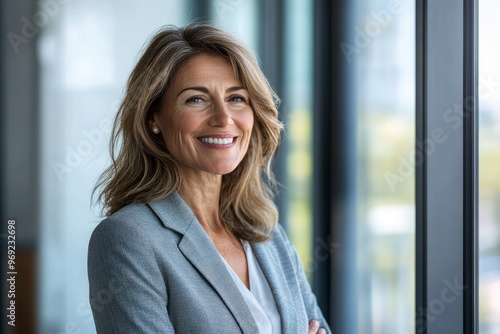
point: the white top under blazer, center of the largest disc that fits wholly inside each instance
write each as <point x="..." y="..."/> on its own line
<point x="260" y="297"/>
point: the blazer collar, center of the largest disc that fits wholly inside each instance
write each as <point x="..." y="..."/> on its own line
<point x="285" y="301"/>
<point x="173" y="212"/>
<point x="197" y="247"/>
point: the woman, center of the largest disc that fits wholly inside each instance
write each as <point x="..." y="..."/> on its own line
<point x="191" y="243"/>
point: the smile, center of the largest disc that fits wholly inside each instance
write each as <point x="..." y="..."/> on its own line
<point x="217" y="141"/>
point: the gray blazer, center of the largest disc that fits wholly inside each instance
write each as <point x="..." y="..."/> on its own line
<point x="153" y="269"/>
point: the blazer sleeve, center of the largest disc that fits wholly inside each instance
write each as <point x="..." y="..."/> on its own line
<point x="310" y="302"/>
<point x="127" y="290"/>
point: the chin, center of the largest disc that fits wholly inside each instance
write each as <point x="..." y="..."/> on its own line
<point x="222" y="170"/>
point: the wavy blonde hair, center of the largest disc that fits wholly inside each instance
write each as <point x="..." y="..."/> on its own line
<point x="143" y="170"/>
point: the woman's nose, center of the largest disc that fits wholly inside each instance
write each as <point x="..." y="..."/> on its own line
<point x="221" y="115"/>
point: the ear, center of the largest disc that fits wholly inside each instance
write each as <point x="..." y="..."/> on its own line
<point x="153" y="124"/>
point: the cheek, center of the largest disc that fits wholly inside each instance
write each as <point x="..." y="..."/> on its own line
<point x="177" y="128"/>
<point x="188" y="122"/>
<point x="247" y="121"/>
<point x="246" y="125"/>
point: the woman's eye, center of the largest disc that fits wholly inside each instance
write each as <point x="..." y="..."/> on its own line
<point x="237" y="98"/>
<point x="195" y="99"/>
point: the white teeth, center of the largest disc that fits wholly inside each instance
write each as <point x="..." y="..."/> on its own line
<point x="217" y="141"/>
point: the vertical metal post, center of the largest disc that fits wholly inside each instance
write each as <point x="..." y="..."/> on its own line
<point x="271" y="46"/>
<point x="334" y="192"/>
<point x="470" y="164"/>
<point x="447" y="177"/>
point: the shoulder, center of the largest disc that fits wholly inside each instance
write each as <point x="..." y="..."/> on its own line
<point x="140" y="226"/>
<point x="279" y="238"/>
<point x="132" y="220"/>
<point x="279" y="232"/>
<point x="136" y="228"/>
<point x="133" y="237"/>
<point x="279" y="248"/>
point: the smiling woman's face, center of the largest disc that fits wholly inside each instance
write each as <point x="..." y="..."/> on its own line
<point x="206" y="120"/>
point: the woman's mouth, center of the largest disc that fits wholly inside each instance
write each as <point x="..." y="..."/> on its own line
<point x="217" y="141"/>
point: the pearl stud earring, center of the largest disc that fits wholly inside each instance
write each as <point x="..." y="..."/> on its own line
<point x="156" y="130"/>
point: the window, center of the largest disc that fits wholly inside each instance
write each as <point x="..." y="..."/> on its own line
<point x="422" y="146"/>
<point x="489" y="164"/>
<point x="297" y="109"/>
<point x="384" y="58"/>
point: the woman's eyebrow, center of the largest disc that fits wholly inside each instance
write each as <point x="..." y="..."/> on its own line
<point x="198" y="88"/>
<point x="205" y="90"/>
<point x="234" y="89"/>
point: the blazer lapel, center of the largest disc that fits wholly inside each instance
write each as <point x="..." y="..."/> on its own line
<point x="197" y="247"/>
<point x="271" y="266"/>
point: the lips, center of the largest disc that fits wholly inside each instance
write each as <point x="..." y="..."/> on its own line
<point x="217" y="141"/>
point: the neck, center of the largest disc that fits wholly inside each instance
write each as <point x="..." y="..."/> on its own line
<point x="202" y="194"/>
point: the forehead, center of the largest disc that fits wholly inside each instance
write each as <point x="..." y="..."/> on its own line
<point x="203" y="70"/>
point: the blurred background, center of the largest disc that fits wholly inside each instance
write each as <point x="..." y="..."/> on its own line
<point x="64" y="66"/>
<point x="489" y="167"/>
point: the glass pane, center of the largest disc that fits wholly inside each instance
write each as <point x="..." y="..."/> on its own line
<point x="384" y="53"/>
<point x="238" y="17"/>
<point x="489" y="166"/>
<point x="86" y="53"/>
<point x="297" y="108"/>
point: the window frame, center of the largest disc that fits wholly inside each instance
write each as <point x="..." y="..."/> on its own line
<point x="334" y="167"/>
<point x="446" y="180"/>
